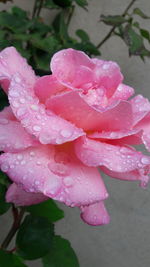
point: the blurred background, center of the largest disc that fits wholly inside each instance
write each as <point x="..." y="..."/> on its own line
<point x="125" y="242"/>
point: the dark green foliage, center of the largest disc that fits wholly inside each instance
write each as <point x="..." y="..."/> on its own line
<point x="35" y="237"/>
<point x="10" y="260"/>
<point x="61" y="254"/>
<point x="47" y="209"/>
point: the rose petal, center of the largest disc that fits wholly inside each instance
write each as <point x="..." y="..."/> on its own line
<point x="70" y="66"/>
<point x="47" y="86"/>
<point x="140" y="107"/>
<point x="141" y="174"/>
<point x="72" y="107"/>
<point x="12" y="62"/>
<point x="13" y="136"/>
<point x="132" y="137"/>
<point x="19" y="197"/>
<point x="115" y="158"/>
<point x="56" y="174"/>
<point x="95" y="214"/>
<point x="107" y="74"/>
<point x="122" y="92"/>
<point x="47" y="127"/>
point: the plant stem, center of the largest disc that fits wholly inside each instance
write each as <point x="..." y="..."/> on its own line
<point x="15" y="226"/>
<point x="114" y="27"/>
<point x="34" y="8"/>
<point x="39" y="8"/>
<point x="71" y="11"/>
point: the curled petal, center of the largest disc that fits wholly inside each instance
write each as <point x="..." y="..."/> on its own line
<point x="122" y="92"/>
<point x="12" y="62"/>
<point x="13" y="136"/>
<point x="15" y="194"/>
<point x="95" y="214"/>
<point x="133" y="137"/>
<point x="47" y="127"/>
<point x="71" y="67"/>
<point x="74" y="108"/>
<point x="107" y="74"/>
<point x="140" y="107"/>
<point x="115" y="158"/>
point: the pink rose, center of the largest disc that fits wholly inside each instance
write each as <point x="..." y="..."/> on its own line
<point x="59" y="128"/>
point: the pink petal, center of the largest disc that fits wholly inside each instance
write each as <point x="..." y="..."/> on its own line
<point x="56" y="173"/>
<point x="122" y="92"/>
<point x="140" y="107"/>
<point x="133" y="137"/>
<point x="72" y="107"/>
<point x="115" y="158"/>
<point x="11" y="62"/>
<point x="19" y="197"/>
<point x="95" y="214"/>
<point x="47" y="86"/>
<point x="71" y="67"/>
<point x="141" y="174"/>
<point x="13" y="136"/>
<point x="47" y="127"/>
<point x="144" y="124"/>
<point x="29" y="169"/>
<point x="108" y="75"/>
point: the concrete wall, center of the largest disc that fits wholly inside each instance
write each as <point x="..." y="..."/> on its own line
<point x="125" y="241"/>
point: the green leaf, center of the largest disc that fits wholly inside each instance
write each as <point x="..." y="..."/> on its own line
<point x="113" y="20"/>
<point x="10" y="260"/>
<point x="48" y="44"/>
<point x="64" y="3"/>
<point x="61" y="28"/>
<point x="47" y="209"/>
<point x="34" y="238"/>
<point x="83" y="35"/>
<point x="145" y="34"/>
<point x="61" y="254"/>
<point x="18" y="12"/>
<point x="140" y="13"/>
<point x="3" y="205"/>
<point x="13" y="23"/>
<point x="50" y="4"/>
<point x="133" y="40"/>
<point x="82" y="3"/>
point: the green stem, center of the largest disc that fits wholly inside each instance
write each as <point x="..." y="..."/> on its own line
<point x="39" y="8"/>
<point x="114" y="27"/>
<point x="15" y="226"/>
<point x="34" y="9"/>
<point x="71" y="11"/>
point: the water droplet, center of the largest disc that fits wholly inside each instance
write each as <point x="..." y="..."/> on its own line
<point x="17" y="79"/>
<point x="145" y="160"/>
<point x="68" y="181"/>
<point x="19" y="157"/>
<point x="14" y="93"/>
<point x="105" y="66"/>
<point x="34" y="107"/>
<point x="22" y="100"/>
<point x="15" y="104"/>
<point x="21" y="112"/>
<point x="4" y="167"/>
<point x="36" y="128"/>
<point x="66" y="133"/>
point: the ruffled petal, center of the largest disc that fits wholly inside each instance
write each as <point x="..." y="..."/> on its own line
<point x="72" y="67"/>
<point x="12" y="62"/>
<point x="13" y="136"/>
<point x="72" y="107"/>
<point x="140" y="107"/>
<point x="47" y="86"/>
<point x="56" y="174"/>
<point x="144" y="124"/>
<point x="141" y="174"/>
<point x="122" y="92"/>
<point x="107" y="74"/>
<point x="115" y="158"/>
<point x="46" y="126"/>
<point x="95" y="214"/>
<point x="130" y="137"/>
<point x="15" y="194"/>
